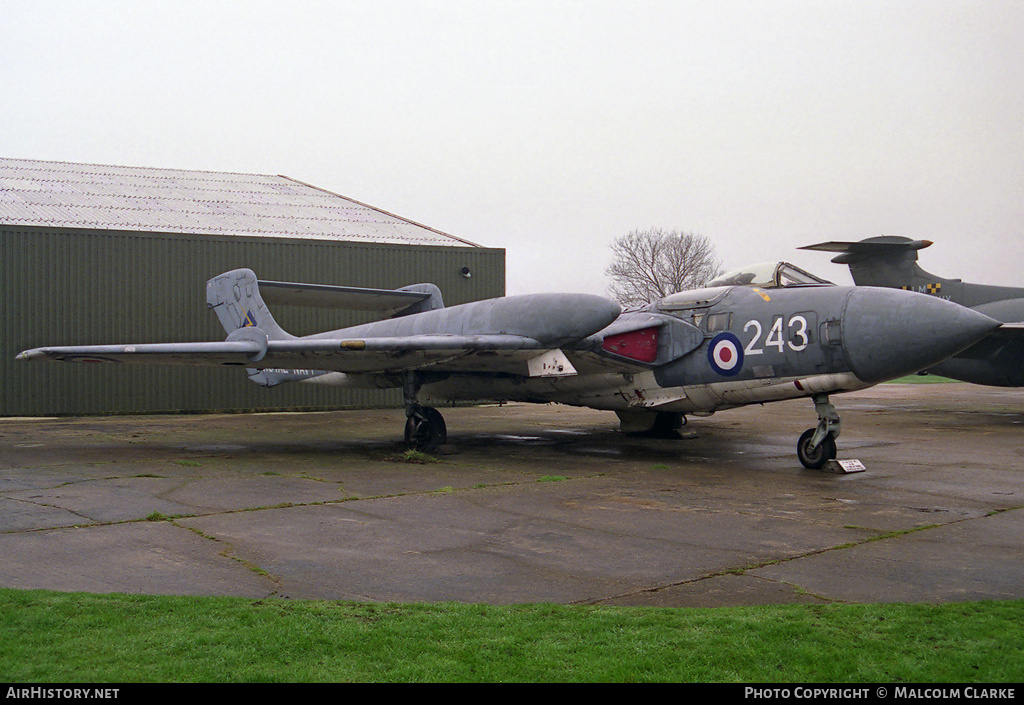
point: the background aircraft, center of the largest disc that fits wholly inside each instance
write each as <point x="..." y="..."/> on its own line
<point x="692" y="352"/>
<point x="891" y="261"/>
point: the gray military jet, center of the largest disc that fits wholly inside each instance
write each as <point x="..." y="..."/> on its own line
<point x="889" y="261"/>
<point x="694" y="352"/>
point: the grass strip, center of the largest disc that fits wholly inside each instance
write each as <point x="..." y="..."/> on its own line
<point x="78" y="637"/>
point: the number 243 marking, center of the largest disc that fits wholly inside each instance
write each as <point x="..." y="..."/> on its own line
<point x="797" y="327"/>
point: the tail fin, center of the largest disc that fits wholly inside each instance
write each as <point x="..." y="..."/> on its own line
<point x="235" y="297"/>
<point x="881" y="261"/>
<point x="432" y="303"/>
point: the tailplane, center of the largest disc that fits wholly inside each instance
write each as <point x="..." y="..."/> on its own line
<point x="887" y="261"/>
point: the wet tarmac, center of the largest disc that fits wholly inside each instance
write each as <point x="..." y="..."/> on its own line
<point x="527" y="504"/>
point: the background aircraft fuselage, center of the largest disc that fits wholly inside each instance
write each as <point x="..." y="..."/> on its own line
<point x="998" y="359"/>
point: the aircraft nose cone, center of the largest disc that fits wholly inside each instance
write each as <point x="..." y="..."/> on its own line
<point x="888" y="333"/>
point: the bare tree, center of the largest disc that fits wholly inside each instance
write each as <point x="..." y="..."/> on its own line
<point x="650" y="264"/>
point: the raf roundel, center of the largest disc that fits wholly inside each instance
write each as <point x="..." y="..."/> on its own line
<point x="726" y="354"/>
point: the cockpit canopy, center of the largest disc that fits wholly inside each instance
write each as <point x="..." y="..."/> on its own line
<point x="769" y="275"/>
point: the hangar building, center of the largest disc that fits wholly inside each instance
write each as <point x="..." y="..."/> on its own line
<point x="97" y="254"/>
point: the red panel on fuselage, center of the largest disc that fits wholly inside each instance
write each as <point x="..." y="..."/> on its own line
<point x="639" y="345"/>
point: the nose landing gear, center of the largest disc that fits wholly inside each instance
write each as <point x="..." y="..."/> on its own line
<point x="817" y="445"/>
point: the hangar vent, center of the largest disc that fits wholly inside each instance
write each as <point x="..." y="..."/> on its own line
<point x="94" y="254"/>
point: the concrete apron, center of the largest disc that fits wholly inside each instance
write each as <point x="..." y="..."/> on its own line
<point x="526" y="504"/>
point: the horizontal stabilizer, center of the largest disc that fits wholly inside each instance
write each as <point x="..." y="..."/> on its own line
<point x="388" y="302"/>
<point x="853" y="252"/>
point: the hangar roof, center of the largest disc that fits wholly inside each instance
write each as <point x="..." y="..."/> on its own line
<point x="63" y="194"/>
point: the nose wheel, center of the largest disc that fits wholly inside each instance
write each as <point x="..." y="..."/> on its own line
<point x="814" y="456"/>
<point x="817" y="445"/>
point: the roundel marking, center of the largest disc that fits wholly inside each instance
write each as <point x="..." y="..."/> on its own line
<point x="726" y="354"/>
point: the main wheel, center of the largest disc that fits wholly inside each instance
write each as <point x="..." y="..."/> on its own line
<point x="426" y="430"/>
<point x="667" y="425"/>
<point x="815" y="458"/>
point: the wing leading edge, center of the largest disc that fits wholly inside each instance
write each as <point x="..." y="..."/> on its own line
<point x="483" y="353"/>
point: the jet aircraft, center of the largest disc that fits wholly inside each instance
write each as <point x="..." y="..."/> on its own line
<point x="889" y="261"/>
<point x="693" y="352"/>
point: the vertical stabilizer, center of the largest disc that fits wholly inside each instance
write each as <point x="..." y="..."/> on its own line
<point x="235" y="297"/>
<point x="433" y="301"/>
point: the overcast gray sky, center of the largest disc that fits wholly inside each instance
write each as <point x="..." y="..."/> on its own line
<point x="551" y="127"/>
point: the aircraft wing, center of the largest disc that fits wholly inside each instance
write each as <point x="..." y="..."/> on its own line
<point x="508" y="354"/>
<point x="196" y="354"/>
<point x="1008" y="334"/>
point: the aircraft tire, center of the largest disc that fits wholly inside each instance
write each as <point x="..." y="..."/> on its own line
<point x="815" y="458"/>
<point x="426" y="430"/>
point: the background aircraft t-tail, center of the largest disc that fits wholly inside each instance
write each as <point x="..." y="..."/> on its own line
<point x="692" y="352"/>
<point x="891" y="261"/>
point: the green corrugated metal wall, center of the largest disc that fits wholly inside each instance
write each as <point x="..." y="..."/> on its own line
<point x="70" y="287"/>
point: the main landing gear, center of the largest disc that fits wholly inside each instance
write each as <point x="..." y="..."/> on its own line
<point x="817" y="445"/>
<point x="425" y="429"/>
